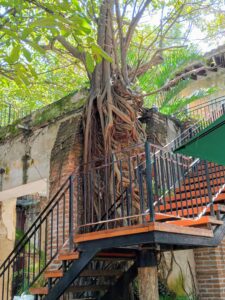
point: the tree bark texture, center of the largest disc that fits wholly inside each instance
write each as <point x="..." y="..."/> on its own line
<point x="148" y="283"/>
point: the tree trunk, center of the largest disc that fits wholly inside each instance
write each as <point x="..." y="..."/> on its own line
<point x="148" y="276"/>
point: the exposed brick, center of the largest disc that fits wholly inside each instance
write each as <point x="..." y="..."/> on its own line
<point x="66" y="156"/>
<point x="210" y="270"/>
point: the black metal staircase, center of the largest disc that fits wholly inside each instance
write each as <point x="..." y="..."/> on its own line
<point x="152" y="198"/>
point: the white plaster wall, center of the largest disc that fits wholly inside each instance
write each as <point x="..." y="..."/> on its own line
<point x="216" y="79"/>
<point x="183" y="268"/>
<point x="39" y="146"/>
<point x="11" y="153"/>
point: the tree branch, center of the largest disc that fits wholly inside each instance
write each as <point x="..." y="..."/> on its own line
<point x="177" y="79"/>
<point x="134" y="23"/>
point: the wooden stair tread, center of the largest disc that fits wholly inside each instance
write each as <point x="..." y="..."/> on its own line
<point x="200" y="177"/>
<point x="195" y="211"/>
<point x="69" y="256"/>
<point x="53" y="274"/>
<point x="39" y="291"/>
<point x="161" y="217"/>
<point x="199" y="185"/>
<point x="193" y="194"/>
<point x="187" y="203"/>
<point x="136" y="229"/>
<point x="202" y="221"/>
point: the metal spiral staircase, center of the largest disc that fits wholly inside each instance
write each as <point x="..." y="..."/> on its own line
<point x="157" y="199"/>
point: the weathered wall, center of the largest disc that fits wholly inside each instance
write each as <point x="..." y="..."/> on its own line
<point x="213" y="79"/>
<point x="160" y="129"/>
<point x="66" y="156"/>
<point x="7" y="227"/>
<point x="39" y="159"/>
<point x="25" y="154"/>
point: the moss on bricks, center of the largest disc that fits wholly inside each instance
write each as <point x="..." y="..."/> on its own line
<point x="65" y="106"/>
<point x="9" y="131"/>
<point x="57" y="109"/>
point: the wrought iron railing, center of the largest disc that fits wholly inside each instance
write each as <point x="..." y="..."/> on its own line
<point x="40" y="245"/>
<point x="9" y="113"/>
<point x="206" y="110"/>
<point x="200" y="117"/>
<point x="122" y="191"/>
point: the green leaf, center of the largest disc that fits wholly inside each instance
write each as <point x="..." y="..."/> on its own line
<point x="27" y="54"/>
<point x="90" y="63"/>
<point x="96" y="50"/>
<point x="15" y="54"/>
<point x="36" y="47"/>
<point x="10" y="33"/>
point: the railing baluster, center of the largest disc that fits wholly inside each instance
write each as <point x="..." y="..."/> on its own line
<point x="209" y="189"/>
<point x="71" y="212"/>
<point x="161" y="161"/>
<point x="174" y="180"/>
<point x="130" y="186"/>
<point x="121" y="188"/>
<point x="149" y="181"/>
<point x="155" y="180"/>
<point x="168" y="183"/>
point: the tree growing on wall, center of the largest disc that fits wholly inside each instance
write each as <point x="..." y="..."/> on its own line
<point x="115" y="41"/>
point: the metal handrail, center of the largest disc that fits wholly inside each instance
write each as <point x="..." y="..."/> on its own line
<point x="154" y="172"/>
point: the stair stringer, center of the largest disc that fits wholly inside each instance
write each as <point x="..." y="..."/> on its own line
<point x="72" y="273"/>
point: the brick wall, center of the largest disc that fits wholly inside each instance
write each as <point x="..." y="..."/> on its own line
<point x="210" y="271"/>
<point x="66" y="156"/>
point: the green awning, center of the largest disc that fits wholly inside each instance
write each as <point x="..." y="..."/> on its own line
<point x="208" y="144"/>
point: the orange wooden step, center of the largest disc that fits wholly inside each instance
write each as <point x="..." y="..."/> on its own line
<point x="39" y="291"/>
<point x="69" y="256"/>
<point x="162" y="217"/>
<point x="53" y="274"/>
<point x="202" y="221"/>
<point x="173" y="205"/>
<point x="204" y="198"/>
<point x="193" y="194"/>
<point x="193" y="178"/>
<point x="195" y="211"/>
<point x="200" y="185"/>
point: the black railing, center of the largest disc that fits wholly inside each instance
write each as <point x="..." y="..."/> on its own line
<point x="207" y="110"/>
<point x="9" y="113"/>
<point x="126" y="190"/>
<point x="39" y="246"/>
<point x="200" y="117"/>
